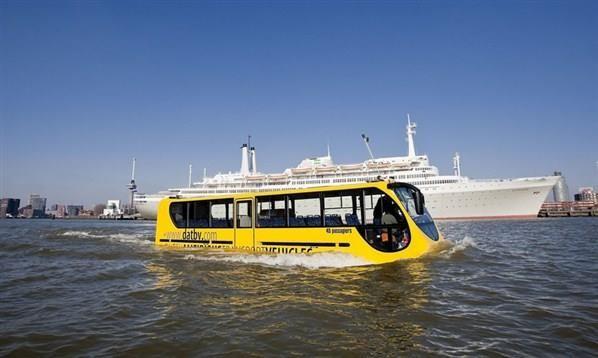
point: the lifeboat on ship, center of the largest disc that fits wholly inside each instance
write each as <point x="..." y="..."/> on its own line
<point x="325" y="170"/>
<point x="278" y="177"/>
<point x="351" y="167"/>
<point x="300" y="171"/>
<point x="378" y="165"/>
<point x="255" y="177"/>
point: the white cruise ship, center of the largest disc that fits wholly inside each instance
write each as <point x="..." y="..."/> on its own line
<point x="447" y="196"/>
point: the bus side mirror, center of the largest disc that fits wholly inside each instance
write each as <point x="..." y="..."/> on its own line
<point x="419" y="200"/>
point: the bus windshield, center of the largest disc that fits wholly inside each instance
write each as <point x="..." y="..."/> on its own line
<point x="423" y="221"/>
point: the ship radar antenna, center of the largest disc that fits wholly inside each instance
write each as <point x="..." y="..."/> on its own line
<point x="457" y="164"/>
<point x="366" y="140"/>
<point x="410" y="132"/>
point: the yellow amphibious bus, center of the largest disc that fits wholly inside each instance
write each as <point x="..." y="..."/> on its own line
<point x="379" y="221"/>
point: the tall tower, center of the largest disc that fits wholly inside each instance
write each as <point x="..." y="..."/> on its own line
<point x="132" y="186"/>
<point x="410" y="132"/>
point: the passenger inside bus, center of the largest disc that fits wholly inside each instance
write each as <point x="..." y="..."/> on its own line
<point x="387" y="213"/>
<point x="178" y="215"/>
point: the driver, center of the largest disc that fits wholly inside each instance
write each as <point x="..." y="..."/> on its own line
<point x="387" y="212"/>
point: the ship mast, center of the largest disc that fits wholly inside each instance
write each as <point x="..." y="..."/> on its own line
<point x="366" y="140"/>
<point x="190" y="172"/>
<point x="410" y="132"/>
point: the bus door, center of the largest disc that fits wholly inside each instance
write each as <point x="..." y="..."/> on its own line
<point x="244" y="223"/>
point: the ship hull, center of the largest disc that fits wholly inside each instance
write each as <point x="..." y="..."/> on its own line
<point x="512" y="199"/>
<point x="491" y="199"/>
<point x="148" y="209"/>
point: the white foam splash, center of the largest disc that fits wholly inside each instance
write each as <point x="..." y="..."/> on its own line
<point x="138" y="238"/>
<point x="311" y="261"/>
<point x="448" y="248"/>
<point x="132" y="239"/>
<point x="464" y="243"/>
<point x="79" y="234"/>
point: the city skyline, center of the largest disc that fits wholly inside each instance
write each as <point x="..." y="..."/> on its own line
<point x="85" y="87"/>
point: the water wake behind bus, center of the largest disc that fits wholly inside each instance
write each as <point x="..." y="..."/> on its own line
<point x="309" y="261"/>
<point x="140" y="238"/>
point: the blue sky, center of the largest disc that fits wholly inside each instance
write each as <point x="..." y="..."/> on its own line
<point x="85" y="86"/>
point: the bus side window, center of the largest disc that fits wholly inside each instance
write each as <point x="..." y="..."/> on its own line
<point x="178" y="214"/>
<point x="372" y="206"/>
<point x="271" y="211"/>
<point x="342" y="208"/>
<point x="304" y="210"/>
<point x="199" y="212"/>
<point x="221" y="213"/>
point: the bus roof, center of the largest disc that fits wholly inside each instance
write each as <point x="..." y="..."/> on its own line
<point x="381" y="184"/>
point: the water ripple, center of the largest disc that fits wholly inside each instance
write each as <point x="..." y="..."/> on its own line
<point x="498" y="288"/>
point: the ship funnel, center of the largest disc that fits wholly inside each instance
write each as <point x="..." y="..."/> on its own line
<point x="244" y="160"/>
<point x="410" y="132"/>
<point x="253" y="161"/>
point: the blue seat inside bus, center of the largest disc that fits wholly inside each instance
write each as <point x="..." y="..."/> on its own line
<point x="333" y="220"/>
<point x="352" y="219"/>
<point x="198" y="223"/>
<point x="277" y="221"/>
<point x="272" y="222"/>
<point x="221" y="223"/>
<point x="297" y="221"/>
<point x="313" y="220"/>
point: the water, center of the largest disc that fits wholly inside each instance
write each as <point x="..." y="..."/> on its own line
<point x="102" y="288"/>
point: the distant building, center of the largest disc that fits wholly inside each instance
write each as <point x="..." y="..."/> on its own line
<point x="89" y="212"/>
<point x="560" y="191"/>
<point x="586" y="194"/>
<point x="38" y="206"/>
<point x="9" y="207"/>
<point x="60" y="211"/>
<point x="112" y="208"/>
<point x="99" y="209"/>
<point x="74" y="210"/>
<point x="26" y="211"/>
